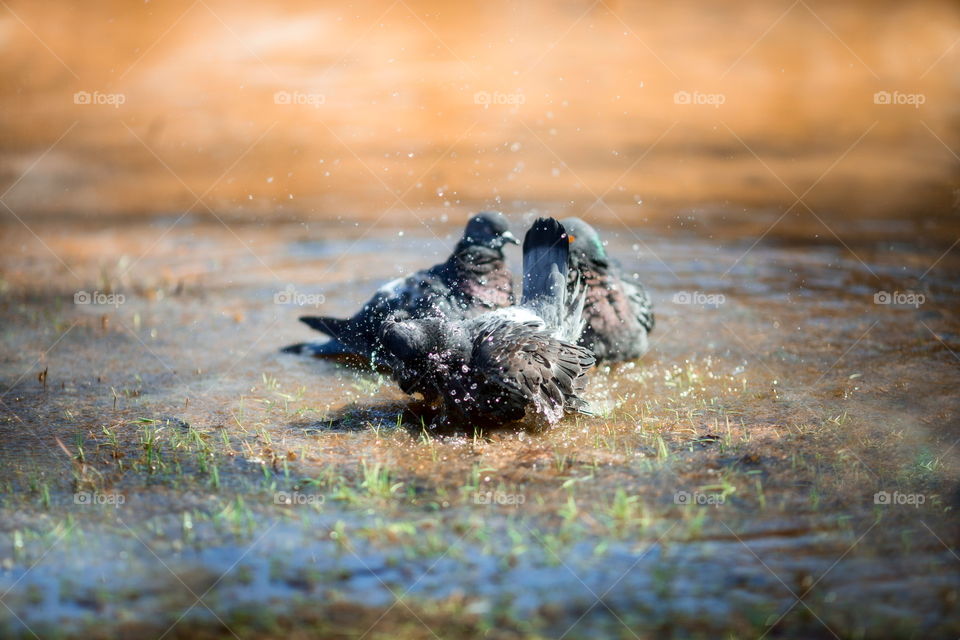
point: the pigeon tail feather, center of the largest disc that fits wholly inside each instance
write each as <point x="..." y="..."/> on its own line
<point x="545" y="254"/>
<point x="330" y="348"/>
<point x="336" y="328"/>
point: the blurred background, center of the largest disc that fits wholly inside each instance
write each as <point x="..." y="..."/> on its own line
<point x="688" y="114"/>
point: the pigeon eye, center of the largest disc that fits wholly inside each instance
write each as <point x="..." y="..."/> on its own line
<point x="571" y="238"/>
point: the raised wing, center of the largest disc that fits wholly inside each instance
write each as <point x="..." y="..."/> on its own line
<point x="524" y="367"/>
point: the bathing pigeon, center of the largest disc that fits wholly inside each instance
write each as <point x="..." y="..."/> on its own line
<point x="617" y="311"/>
<point x="505" y="365"/>
<point x="474" y="279"/>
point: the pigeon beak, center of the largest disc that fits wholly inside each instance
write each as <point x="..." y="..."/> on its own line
<point x="509" y="237"/>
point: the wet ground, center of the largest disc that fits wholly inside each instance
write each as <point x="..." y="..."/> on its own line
<point x="782" y="463"/>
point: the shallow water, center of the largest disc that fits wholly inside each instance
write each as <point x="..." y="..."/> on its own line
<point x="732" y="470"/>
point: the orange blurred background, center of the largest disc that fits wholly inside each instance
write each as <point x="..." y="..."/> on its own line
<point x="643" y="112"/>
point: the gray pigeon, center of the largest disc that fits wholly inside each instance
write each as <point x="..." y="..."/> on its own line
<point x="617" y="311"/>
<point x="473" y="280"/>
<point x="505" y="365"/>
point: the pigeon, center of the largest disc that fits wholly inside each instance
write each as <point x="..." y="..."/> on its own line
<point x="618" y="312"/>
<point x="507" y="365"/>
<point x="474" y="279"/>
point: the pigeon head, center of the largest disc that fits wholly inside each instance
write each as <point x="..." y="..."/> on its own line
<point x="405" y="345"/>
<point x="407" y="341"/>
<point x="488" y="229"/>
<point x="585" y="242"/>
<point x="413" y="349"/>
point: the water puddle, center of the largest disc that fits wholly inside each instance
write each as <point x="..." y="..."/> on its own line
<point x="781" y="457"/>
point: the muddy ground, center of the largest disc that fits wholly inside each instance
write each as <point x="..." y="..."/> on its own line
<point x="782" y="462"/>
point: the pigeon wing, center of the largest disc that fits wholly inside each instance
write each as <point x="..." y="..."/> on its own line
<point x="527" y="366"/>
<point x="640" y="302"/>
<point x="619" y="315"/>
